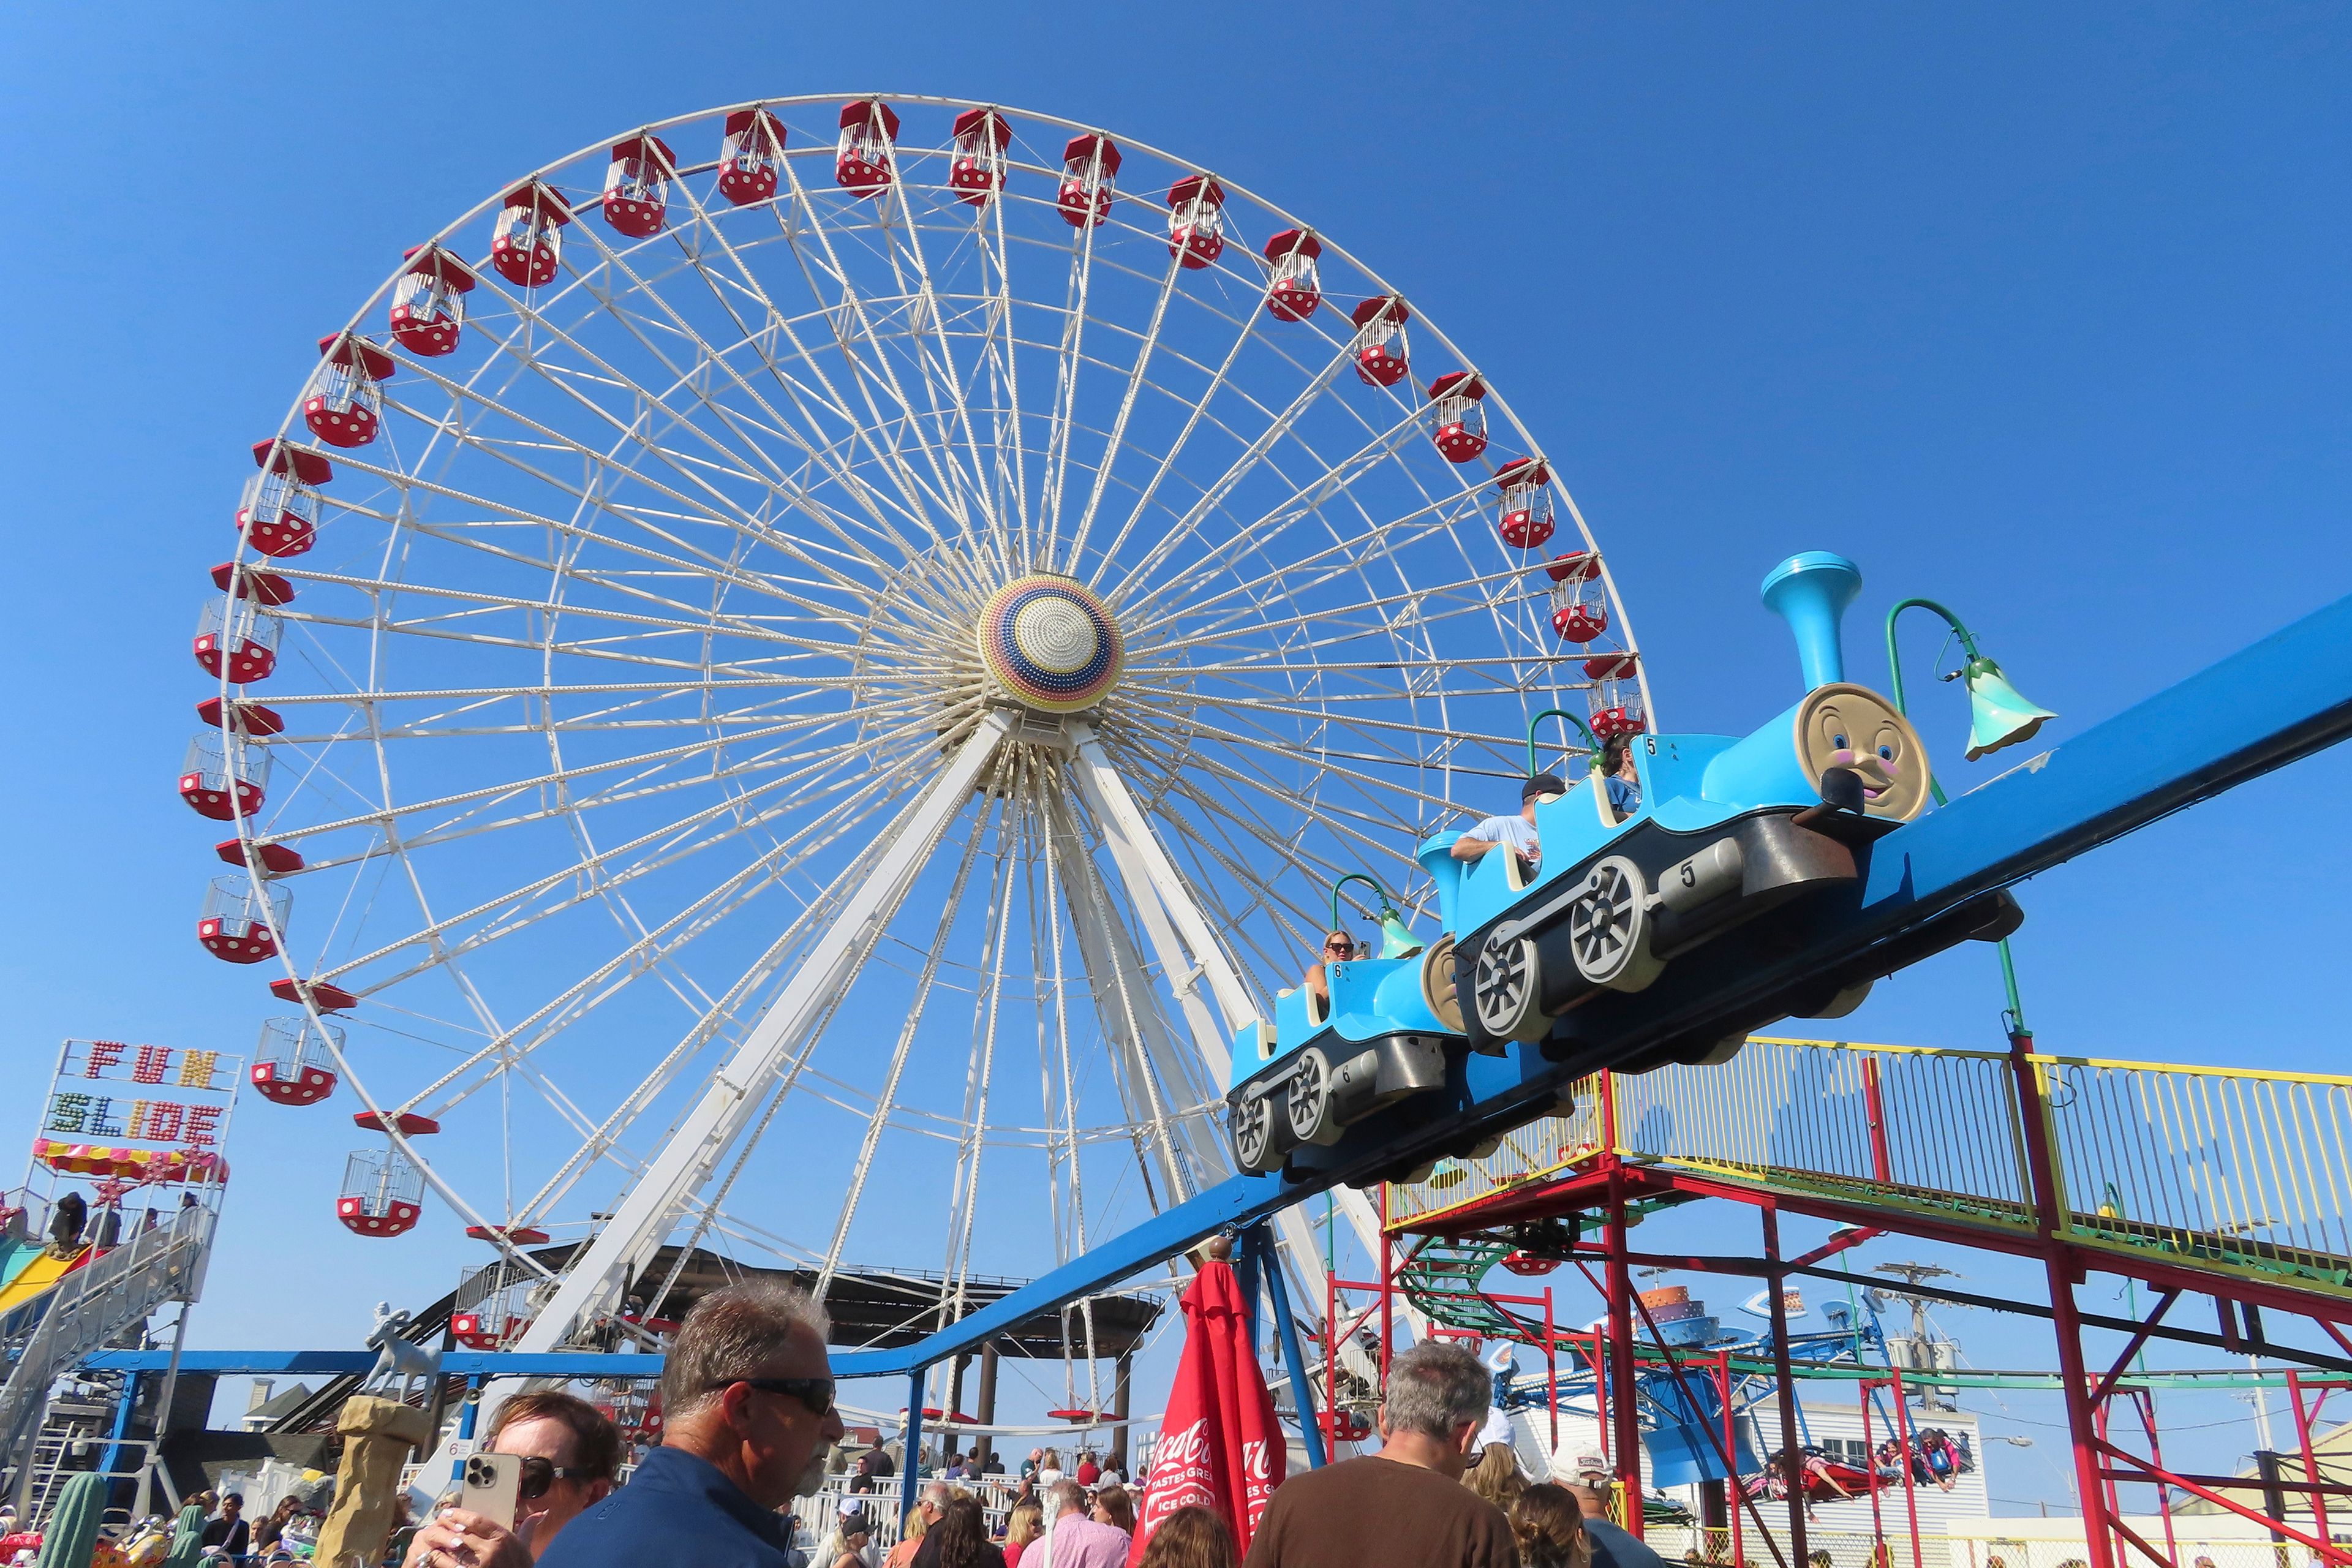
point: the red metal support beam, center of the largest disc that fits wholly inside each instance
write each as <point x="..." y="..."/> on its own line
<point x="1332" y="1333"/>
<point x="1854" y="1235"/>
<point x="1551" y="1368"/>
<point x="1625" y="1415"/>
<point x="1388" y="1284"/>
<point x="2049" y="1211"/>
<point x="1870" y="1455"/>
<point x="1723" y="1449"/>
<point x="2144" y="1400"/>
<point x="2241" y="1483"/>
<point x="2208" y="1488"/>
<point x="2310" y="1465"/>
<point x="1874" y="1101"/>
<point x="2107" y="1384"/>
<point x="1903" y="1457"/>
<point x="2150" y="1552"/>
<point x="1588" y="1189"/>
<point x="1785" y="1387"/>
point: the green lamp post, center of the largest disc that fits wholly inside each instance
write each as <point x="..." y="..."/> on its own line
<point x="1998" y="716"/>
<point x="1397" y="939"/>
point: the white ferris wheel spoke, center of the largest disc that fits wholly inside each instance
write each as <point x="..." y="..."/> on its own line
<point x="651" y="1206"/>
<point x="518" y="918"/>
<point x="704" y="501"/>
<point x="949" y="493"/>
<point x="1175" y="448"/>
<point x="1276" y="430"/>
<point x="1128" y="1005"/>
<point x="1070" y="355"/>
<point x="915" y="509"/>
<point x="1114" y="442"/>
<point x="884" y="1102"/>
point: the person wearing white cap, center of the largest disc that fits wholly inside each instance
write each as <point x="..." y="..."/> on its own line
<point x="1586" y="1476"/>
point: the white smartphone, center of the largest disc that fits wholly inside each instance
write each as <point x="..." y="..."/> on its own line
<point x="489" y="1484"/>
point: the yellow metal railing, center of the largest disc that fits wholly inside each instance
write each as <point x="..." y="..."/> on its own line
<point x="1535" y="1152"/>
<point x="1926" y="1128"/>
<point x="2241" y="1167"/>
<point x="2238" y="1170"/>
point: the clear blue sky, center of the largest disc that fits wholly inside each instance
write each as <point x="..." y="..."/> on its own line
<point x="2038" y="309"/>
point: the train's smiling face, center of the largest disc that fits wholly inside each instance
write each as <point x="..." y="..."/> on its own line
<point x="1854" y="727"/>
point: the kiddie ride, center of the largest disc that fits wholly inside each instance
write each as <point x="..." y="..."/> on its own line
<point x="1726" y="832"/>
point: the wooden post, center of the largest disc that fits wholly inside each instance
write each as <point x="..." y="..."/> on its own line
<point x="1118" y="1408"/>
<point x="948" y="1441"/>
<point x="987" y="1407"/>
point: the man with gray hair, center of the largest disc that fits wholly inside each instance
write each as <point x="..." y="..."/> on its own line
<point x="1406" y="1503"/>
<point x="747" y="1416"/>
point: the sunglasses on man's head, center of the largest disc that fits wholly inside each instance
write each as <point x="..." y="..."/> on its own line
<point x="538" y="1474"/>
<point x="816" y="1393"/>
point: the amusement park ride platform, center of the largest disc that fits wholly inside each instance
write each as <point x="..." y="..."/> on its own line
<point x="2086" y="1164"/>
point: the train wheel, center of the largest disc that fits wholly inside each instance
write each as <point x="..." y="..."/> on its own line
<point x="1252" y="1128"/>
<point x="1508" y="987"/>
<point x="1311" y="1120"/>
<point x="1609" y="927"/>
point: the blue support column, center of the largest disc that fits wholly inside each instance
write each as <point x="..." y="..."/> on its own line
<point x="469" y="1410"/>
<point x="1248" y="1255"/>
<point x="909" y="1483"/>
<point x="1287" y="1330"/>
<point x="122" y="1430"/>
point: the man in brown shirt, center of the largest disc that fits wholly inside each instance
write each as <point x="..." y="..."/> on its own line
<point x="1405" y="1505"/>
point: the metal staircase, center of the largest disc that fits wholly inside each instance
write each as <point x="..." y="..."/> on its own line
<point x="67" y="1433"/>
<point x="98" y="1303"/>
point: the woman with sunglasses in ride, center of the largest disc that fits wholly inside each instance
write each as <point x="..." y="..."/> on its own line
<point x="571" y="1455"/>
<point x="1338" y="947"/>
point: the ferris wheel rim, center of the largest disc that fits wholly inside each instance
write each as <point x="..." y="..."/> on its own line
<point x="244" y="552"/>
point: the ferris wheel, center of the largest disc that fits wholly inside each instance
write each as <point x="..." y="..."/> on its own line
<point x="815" y="653"/>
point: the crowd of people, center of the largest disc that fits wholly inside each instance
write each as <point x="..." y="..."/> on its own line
<point x="1438" y="1493"/>
<point x="750" y="1422"/>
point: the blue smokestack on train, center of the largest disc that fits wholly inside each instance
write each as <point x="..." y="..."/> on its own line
<point x="1811" y="592"/>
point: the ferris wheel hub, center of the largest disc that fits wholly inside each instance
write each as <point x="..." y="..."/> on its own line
<point x="1049" y="641"/>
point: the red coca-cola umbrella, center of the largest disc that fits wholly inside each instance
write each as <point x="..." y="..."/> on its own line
<point x="1220" y="1444"/>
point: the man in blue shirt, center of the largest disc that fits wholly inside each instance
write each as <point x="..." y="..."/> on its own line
<point x="747" y="1416"/>
<point x="1517" y="833"/>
